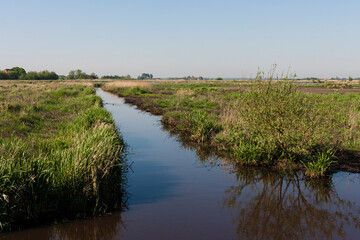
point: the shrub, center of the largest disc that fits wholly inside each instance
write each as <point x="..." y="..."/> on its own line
<point x="277" y="122"/>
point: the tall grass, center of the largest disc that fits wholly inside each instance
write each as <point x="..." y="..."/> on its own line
<point x="268" y="123"/>
<point x="276" y="122"/>
<point x="66" y="167"/>
<point x="203" y="126"/>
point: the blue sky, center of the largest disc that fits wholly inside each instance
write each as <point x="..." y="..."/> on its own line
<point x="209" y="38"/>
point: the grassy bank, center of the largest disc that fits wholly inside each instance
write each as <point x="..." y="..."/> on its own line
<point x="264" y="123"/>
<point x="60" y="154"/>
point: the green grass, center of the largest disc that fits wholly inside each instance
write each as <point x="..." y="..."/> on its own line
<point x="320" y="163"/>
<point x="263" y="123"/>
<point x="60" y="155"/>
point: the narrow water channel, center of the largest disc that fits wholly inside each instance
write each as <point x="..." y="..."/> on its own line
<point x="175" y="195"/>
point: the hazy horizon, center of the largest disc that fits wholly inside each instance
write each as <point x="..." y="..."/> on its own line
<point x="228" y="39"/>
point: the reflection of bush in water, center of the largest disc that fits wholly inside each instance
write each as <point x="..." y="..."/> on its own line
<point x="203" y="151"/>
<point x="276" y="207"/>
<point x="107" y="227"/>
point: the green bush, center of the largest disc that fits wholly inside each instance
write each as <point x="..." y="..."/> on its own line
<point x="280" y="123"/>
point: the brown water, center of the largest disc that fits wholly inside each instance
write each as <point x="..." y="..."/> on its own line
<point x="175" y="195"/>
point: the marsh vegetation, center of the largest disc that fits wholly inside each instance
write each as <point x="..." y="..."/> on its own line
<point x="59" y="154"/>
<point x="262" y="123"/>
<point x="173" y="188"/>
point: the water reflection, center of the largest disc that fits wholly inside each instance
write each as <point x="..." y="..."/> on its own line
<point x="204" y="152"/>
<point x="269" y="206"/>
<point x="152" y="184"/>
<point x="106" y="227"/>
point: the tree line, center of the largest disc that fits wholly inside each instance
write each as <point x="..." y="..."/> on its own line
<point x="127" y="77"/>
<point x="20" y="73"/>
<point x="79" y="74"/>
<point x="145" y="76"/>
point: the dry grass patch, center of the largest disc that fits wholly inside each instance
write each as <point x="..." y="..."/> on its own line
<point x="126" y="84"/>
<point x="185" y="92"/>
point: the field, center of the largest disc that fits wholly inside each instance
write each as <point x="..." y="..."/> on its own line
<point x="274" y="124"/>
<point x="59" y="153"/>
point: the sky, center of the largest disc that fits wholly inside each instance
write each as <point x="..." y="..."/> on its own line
<point x="176" y="38"/>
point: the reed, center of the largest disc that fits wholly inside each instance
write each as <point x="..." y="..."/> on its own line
<point x="61" y="155"/>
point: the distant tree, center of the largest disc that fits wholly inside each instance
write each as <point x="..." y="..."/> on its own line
<point x="43" y="75"/>
<point x="145" y="76"/>
<point x="12" y="75"/>
<point x="3" y="75"/>
<point x="54" y="76"/>
<point x="219" y="78"/>
<point x="110" y="77"/>
<point x="350" y="78"/>
<point x="46" y="75"/>
<point x="71" y="75"/>
<point x="93" y="76"/>
<point x="31" y="76"/>
<point x="201" y="78"/>
<point x="127" y="77"/>
<point x="190" y="78"/>
<point x="19" y="71"/>
<point x="78" y="74"/>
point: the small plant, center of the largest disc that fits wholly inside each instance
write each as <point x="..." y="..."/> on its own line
<point x="320" y="164"/>
<point x="134" y="91"/>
